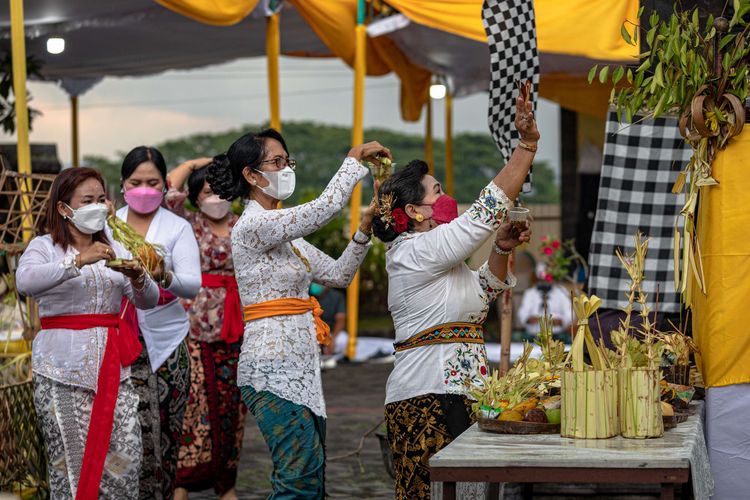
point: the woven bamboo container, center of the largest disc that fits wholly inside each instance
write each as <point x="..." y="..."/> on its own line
<point x="589" y="404"/>
<point x="640" y="407"/>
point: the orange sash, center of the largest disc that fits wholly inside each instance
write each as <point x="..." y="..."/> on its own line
<point x="284" y="307"/>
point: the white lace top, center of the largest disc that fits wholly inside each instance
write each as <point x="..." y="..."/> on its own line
<point x="430" y="284"/>
<point x="281" y="354"/>
<point x="49" y="275"/>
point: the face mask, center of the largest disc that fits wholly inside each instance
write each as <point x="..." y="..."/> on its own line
<point x="281" y="183"/>
<point x="444" y="210"/>
<point x="214" y="207"/>
<point x="316" y="289"/>
<point x="143" y="200"/>
<point x="89" y="219"/>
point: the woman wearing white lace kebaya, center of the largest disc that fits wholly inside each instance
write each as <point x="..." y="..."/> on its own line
<point x="438" y="304"/>
<point x="279" y="367"/>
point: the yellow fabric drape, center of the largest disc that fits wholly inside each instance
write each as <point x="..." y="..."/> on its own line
<point x="216" y="12"/>
<point x="334" y="23"/>
<point x="574" y="93"/>
<point x="576" y="27"/>
<point x="719" y="321"/>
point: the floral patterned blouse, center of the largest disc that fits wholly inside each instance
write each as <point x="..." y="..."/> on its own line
<point x="206" y="310"/>
<point x="429" y="284"/>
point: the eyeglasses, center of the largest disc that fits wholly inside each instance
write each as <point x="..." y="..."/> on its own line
<point x="282" y="162"/>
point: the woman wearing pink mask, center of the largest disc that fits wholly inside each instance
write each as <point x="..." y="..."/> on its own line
<point x="438" y="303"/>
<point x="215" y="417"/>
<point x="161" y="374"/>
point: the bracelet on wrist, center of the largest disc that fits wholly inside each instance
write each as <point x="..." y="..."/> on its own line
<point x="528" y="147"/>
<point x="355" y="240"/>
<point x="496" y="248"/>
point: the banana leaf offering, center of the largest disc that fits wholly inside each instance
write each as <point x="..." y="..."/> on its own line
<point x="149" y="255"/>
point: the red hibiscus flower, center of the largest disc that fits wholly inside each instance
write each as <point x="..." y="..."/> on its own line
<point x="549" y="278"/>
<point x="548" y="250"/>
<point x="555" y="244"/>
<point x="400" y="220"/>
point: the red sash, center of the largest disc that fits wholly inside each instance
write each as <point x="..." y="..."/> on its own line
<point x="232" y="329"/>
<point x="123" y="349"/>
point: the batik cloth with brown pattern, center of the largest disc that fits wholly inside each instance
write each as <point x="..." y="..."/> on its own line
<point x="417" y="429"/>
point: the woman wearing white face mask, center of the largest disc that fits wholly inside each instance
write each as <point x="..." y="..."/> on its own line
<point x="215" y="417"/>
<point x="81" y="357"/>
<point x="162" y="376"/>
<point x="279" y="367"/>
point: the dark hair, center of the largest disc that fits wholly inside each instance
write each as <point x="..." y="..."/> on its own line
<point x="406" y="187"/>
<point x="62" y="190"/>
<point x="225" y="172"/>
<point x="195" y="184"/>
<point x="140" y="155"/>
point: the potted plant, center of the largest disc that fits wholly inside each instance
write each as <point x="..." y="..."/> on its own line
<point x="696" y="71"/>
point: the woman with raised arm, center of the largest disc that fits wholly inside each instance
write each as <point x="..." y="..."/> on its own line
<point x="279" y="369"/>
<point x="162" y="373"/>
<point x="82" y="355"/>
<point x="438" y="303"/>
<point x="215" y="417"/>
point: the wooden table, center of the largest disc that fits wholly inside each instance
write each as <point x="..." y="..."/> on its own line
<point x="478" y="456"/>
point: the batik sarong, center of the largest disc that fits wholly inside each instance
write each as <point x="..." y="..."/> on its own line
<point x="162" y="400"/>
<point x="417" y="429"/>
<point x="214" y="422"/>
<point x="296" y="439"/>
<point x="64" y="414"/>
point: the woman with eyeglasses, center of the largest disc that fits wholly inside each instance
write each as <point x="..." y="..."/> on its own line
<point x="161" y="374"/>
<point x="279" y="368"/>
<point x="214" y="422"/>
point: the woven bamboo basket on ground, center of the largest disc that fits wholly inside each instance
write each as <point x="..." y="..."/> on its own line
<point x="23" y="461"/>
<point x="640" y="406"/>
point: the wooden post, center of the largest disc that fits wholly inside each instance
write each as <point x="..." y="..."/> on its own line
<point x="352" y="293"/>
<point x="449" y="144"/>
<point x="273" y="50"/>
<point x="428" y="148"/>
<point x="506" y="322"/>
<point x="74" y="151"/>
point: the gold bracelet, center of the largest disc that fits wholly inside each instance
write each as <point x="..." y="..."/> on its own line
<point x="527" y="147"/>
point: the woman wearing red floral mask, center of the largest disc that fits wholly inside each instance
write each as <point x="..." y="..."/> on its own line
<point x="438" y="303"/>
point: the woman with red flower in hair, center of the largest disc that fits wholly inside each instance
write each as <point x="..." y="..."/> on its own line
<point x="438" y="303"/>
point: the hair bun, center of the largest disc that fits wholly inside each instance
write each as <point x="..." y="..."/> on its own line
<point x="220" y="178"/>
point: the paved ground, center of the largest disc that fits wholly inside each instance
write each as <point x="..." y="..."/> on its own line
<point x="354" y="395"/>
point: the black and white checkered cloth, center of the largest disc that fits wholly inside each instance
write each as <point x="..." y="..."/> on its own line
<point x="641" y="164"/>
<point x="511" y="34"/>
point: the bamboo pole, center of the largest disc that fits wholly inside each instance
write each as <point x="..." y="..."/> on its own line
<point x="75" y="159"/>
<point x="429" y="156"/>
<point x="449" y="144"/>
<point x="506" y="322"/>
<point x="352" y="293"/>
<point x="23" y="150"/>
<point x="273" y="50"/>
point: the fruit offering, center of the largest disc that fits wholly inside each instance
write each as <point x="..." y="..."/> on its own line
<point x="383" y="169"/>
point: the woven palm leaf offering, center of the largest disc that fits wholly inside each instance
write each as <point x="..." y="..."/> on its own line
<point x="523" y="400"/>
<point x="383" y="169"/>
<point x="148" y="254"/>
<point x="589" y="390"/>
<point x="640" y="351"/>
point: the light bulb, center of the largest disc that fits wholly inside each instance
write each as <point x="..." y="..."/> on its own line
<point x="437" y="91"/>
<point x="55" y="45"/>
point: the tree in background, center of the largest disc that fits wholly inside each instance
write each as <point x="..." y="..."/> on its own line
<point x="7" y="103"/>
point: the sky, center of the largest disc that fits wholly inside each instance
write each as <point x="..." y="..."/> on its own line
<point x="120" y="113"/>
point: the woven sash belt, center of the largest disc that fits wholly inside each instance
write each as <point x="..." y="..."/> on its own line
<point x="447" y="333"/>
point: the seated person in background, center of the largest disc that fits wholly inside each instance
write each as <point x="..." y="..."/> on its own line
<point x="333" y="303"/>
<point x="557" y="299"/>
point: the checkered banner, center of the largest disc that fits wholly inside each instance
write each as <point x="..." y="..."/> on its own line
<point x="511" y="35"/>
<point x="640" y="166"/>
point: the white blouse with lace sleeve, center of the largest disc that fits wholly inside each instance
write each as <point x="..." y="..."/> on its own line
<point x="281" y="354"/>
<point x="48" y="273"/>
<point x="429" y="284"/>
